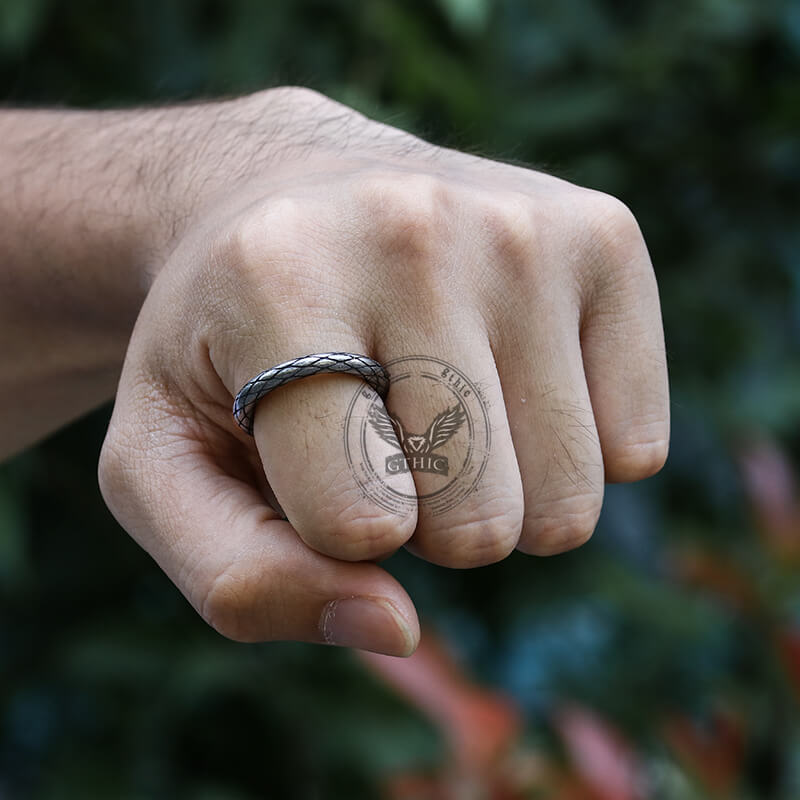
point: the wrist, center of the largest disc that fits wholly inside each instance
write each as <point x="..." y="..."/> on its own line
<point x="202" y="157"/>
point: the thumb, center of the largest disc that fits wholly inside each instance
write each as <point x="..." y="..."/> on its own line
<point x="244" y="569"/>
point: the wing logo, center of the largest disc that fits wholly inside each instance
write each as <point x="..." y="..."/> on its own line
<point x="446" y="460"/>
<point x="417" y="451"/>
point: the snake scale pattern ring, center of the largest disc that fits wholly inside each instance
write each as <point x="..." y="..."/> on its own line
<point x="348" y="363"/>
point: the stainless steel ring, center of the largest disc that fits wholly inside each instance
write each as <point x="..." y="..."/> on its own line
<point x="244" y="406"/>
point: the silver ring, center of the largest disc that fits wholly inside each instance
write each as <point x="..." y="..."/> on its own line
<point x="244" y="407"/>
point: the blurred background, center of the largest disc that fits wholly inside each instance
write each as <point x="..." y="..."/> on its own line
<point x="662" y="660"/>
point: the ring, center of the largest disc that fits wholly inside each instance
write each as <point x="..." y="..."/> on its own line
<point x="244" y="406"/>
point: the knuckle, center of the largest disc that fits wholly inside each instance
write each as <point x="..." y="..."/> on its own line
<point x="348" y="526"/>
<point x="612" y="233"/>
<point x="262" y="244"/>
<point x="609" y="213"/>
<point x="109" y="466"/>
<point x="515" y="236"/>
<point x="141" y="449"/>
<point x="558" y="526"/>
<point x="510" y="226"/>
<point x="233" y="605"/>
<point x="358" y="535"/>
<point x="405" y="213"/>
<point x="112" y="469"/>
<point x="481" y="540"/>
<point x="265" y="260"/>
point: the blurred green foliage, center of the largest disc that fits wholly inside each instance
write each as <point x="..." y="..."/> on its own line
<point x="111" y="687"/>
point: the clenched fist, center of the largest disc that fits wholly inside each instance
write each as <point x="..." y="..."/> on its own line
<point x="523" y="307"/>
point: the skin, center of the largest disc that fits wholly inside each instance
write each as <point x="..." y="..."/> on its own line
<point x="240" y="234"/>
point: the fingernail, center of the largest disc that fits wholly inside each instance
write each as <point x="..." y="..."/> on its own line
<point x="368" y="623"/>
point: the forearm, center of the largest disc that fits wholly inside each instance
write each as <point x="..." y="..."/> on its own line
<point x="73" y="250"/>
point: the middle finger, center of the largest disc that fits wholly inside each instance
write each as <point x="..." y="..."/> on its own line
<point x="448" y="415"/>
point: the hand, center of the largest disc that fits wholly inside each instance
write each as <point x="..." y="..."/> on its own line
<point x="358" y="237"/>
